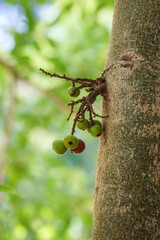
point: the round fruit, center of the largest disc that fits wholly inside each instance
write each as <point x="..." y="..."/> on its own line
<point x="82" y="124"/>
<point x="58" y="147"/>
<point x="96" y="122"/>
<point x="73" y="93"/>
<point x="80" y="148"/>
<point x="95" y="130"/>
<point x="70" y="142"/>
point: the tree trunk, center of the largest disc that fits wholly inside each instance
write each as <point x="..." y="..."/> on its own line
<point x="127" y="180"/>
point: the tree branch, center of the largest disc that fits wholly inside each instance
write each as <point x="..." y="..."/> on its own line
<point x="59" y="103"/>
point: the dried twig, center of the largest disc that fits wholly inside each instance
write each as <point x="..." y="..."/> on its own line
<point x="78" y="80"/>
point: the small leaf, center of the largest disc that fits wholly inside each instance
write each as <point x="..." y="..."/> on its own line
<point x="7" y="189"/>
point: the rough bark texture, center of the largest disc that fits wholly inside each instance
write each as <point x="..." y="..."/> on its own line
<point x="126" y="200"/>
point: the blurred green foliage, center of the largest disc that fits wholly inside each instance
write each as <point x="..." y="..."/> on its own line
<point x="54" y="194"/>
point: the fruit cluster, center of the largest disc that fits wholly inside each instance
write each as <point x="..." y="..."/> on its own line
<point x="77" y="146"/>
<point x="70" y="142"/>
<point x="93" y="88"/>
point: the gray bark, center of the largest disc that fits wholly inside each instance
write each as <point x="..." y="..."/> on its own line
<point x="126" y="202"/>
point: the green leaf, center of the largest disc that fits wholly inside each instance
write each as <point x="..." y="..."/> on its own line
<point x="7" y="189"/>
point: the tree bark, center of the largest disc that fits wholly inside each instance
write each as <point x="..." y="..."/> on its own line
<point x="127" y="179"/>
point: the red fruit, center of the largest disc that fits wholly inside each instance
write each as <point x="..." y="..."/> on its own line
<point x="80" y="148"/>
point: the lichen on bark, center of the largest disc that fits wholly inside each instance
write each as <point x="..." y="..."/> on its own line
<point x="127" y="180"/>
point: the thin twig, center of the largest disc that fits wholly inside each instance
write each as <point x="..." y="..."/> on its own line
<point x="72" y="107"/>
<point x="79" y="80"/>
<point x="77" y="117"/>
<point x="90" y="113"/>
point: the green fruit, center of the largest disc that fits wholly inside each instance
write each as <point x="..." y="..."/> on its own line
<point x="82" y="124"/>
<point x="76" y="92"/>
<point x="95" y="130"/>
<point x="96" y="122"/>
<point x="58" y="147"/>
<point x="70" y="142"/>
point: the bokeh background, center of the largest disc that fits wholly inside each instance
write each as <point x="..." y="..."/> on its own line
<point x="54" y="194"/>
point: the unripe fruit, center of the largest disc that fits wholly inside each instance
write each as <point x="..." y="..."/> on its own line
<point x="96" y="122"/>
<point x="80" y="148"/>
<point x="95" y="130"/>
<point x="82" y="124"/>
<point x="73" y="93"/>
<point x="70" y="142"/>
<point x="58" y="147"/>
